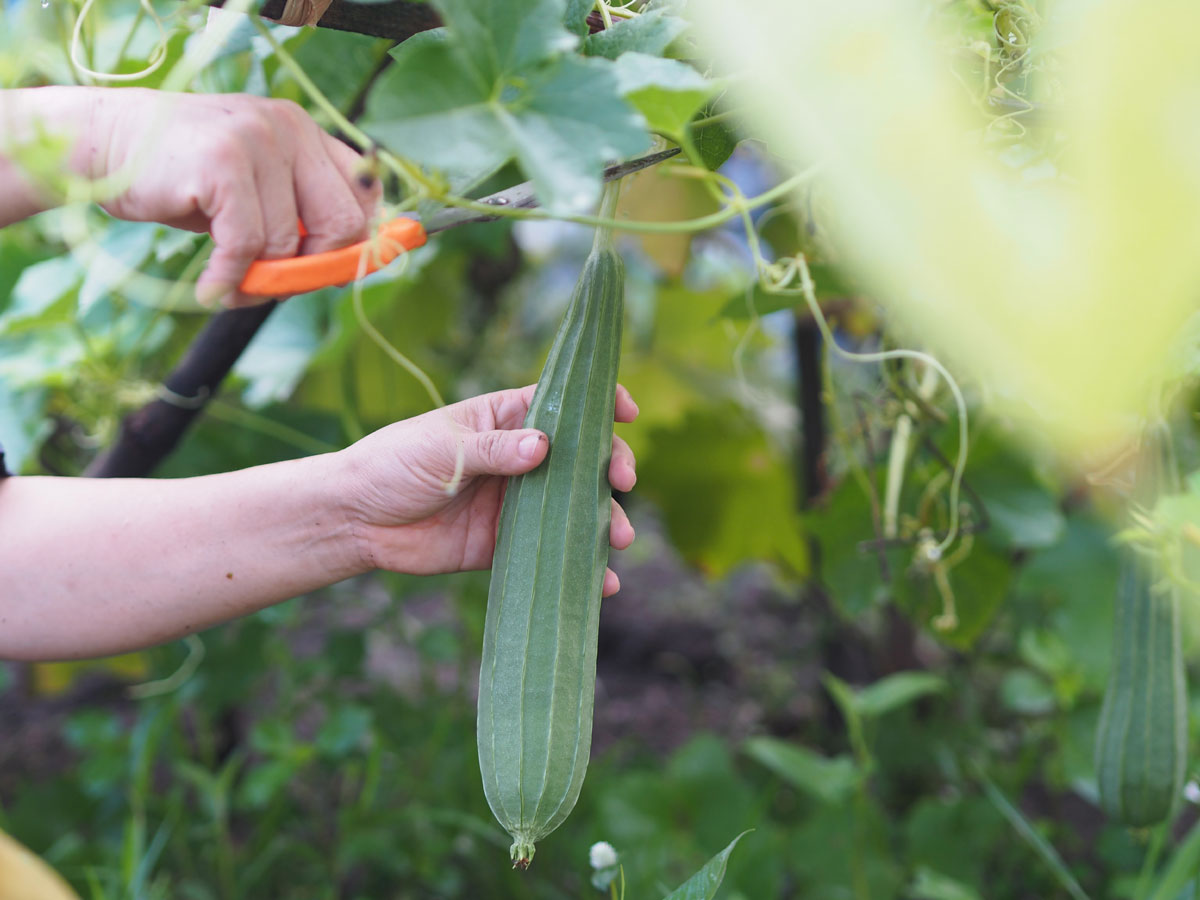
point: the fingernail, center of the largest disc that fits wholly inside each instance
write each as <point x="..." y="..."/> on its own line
<point x="528" y="445"/>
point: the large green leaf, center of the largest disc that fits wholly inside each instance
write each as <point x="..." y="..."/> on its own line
<point x="499" y="83"/>
<point x="493" y="41"/>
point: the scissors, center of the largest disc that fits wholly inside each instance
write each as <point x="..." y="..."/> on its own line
<point x="300" y="274"/>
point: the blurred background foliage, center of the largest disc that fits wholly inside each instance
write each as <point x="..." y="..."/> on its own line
<point x="770" y="663"/>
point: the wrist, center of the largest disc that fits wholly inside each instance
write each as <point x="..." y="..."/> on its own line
<point x="45" y="132"/>
<point x="336" y="474"/>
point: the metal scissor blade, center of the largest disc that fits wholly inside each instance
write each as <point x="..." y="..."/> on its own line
<point x="521" y="196"/>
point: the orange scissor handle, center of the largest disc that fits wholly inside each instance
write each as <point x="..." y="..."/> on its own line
<point x="300" y="274"/>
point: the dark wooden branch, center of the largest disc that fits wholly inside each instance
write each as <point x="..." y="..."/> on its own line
<point x="396" y="20"/>
<point x="149" y="434"/>
<point x="806" y="340"/>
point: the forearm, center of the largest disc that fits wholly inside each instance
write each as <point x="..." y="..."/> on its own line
<point x="27" y="115"/>
<point x="92" y="567"/>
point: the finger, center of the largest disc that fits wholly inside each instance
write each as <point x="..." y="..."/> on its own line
<point x="622" y="469"/>
<point x="499" y="409"/>
<point x="503" y="452"/>
<point x="612" y="583"/>
<point x="238" y="233"/>
<point x="627" y="409"/>
<point x="332" y="214"/>
<point x="620" y="530"/>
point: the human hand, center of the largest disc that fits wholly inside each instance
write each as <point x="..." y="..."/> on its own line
<point x="243" y="168"/>
<point x="397" y="477"/>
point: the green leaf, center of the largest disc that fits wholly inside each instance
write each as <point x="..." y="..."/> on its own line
<point x="264" y="782"/>
<point x="895" y="691"/>
<point x="1023" y="512"/>
<point x="726" y="493"/>
<point x="23" y="424"/>
<point x="712" y="144"/>
<point x="1074" y="581"/>
<point x="37" y="293"/>
<point x="575" y="18"/>
<point x="1182" y="868"/>
<point x="651" y="33"/>
<point x="570" y="124"/>
<point x="495" y="40"/>
<point x="667" y="92"/>
<point x="562" y="121"/>
<point x="346" y="726"/>
<point x="281" y="351"/>
<point x="703" y="885"/>
<point x="1031" y="836"/>
<point x="930" y="885"/>
<point x="979" y="584"/>
<point x="119" y="253"/>
<point x="828" y="780"/>
<point x="338" y="62"/>
<point x="1027" y="693"/>
<point x="428" y="109"/>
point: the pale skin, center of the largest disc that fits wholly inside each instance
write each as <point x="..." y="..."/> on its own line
<point x="94" y="567"/>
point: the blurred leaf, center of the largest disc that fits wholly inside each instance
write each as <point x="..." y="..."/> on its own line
<point x="23" y="425"/>
<point x="1031" y="836"/>
<point x="1059" y="348"/>
<point x="843" y="851"/>
<point x="713" y="144"/>
<point x="439" y="643"/>
<point x="1075" y="582"/>
<point x="980" y="585"/>
<point x="119" y="253"/>
<point x="575" y="17"/>
<point x="38" y="292"/>
<point x="953" y="836"/>
<point x="339" y="62"/>
<point x="895" y="691"/>
<point x="830" y="780"/>
<point x="1027" y="693"/>
<point x="703" y="885"/>
<point x="665" y="91"/>
<point x="1181" y="869"/>
<point x="346" y="727"/>
<point x="265" y="781"/>
<point x="650" y="33"/>
<point x="1022" y="512"/>
<point x="280" y="353"/>
<point x="726" y="495"/>
<point x="930" y="885"/>
<point x="840" y="521"/>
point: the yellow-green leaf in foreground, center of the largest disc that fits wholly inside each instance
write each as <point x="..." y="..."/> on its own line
<point x="1059" y="287"/>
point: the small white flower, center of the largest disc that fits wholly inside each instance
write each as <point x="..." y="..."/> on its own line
<point x="1191" y="792"/>
<point x="602" y="855"/>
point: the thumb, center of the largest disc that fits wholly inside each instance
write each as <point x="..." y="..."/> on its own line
<point x="503" y="452"/>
